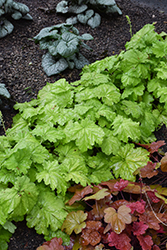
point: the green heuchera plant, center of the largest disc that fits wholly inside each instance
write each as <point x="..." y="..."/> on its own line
<point x="83" y="132"/>
<point x="63" y="43"/>
<point x="84" y="10"/>
<point x="16" y="10"/>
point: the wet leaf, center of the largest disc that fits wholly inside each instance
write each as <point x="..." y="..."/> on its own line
<point x="74" y="222"/>
<point x="118" y="219"/>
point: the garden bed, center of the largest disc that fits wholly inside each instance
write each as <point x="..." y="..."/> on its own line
<point x="21" y="71"/>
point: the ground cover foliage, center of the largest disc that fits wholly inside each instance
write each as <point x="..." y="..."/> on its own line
<point x="83" y="133"/>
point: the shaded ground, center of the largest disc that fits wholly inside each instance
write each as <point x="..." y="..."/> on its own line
<point x="21" y="71"/>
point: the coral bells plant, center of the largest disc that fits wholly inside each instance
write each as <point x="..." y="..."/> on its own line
<point x="117" y="214"/>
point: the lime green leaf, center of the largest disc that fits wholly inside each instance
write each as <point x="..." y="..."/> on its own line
<point x="127" y="160"/>
<point x="19" y="199"/>
<point x="111" y="143"/>
<point x="75" y="169"/>
<point x="60" y="92"/>
<point x="162" y="70"/>
<point x="9" y="226"/>
<point x="133" y="91"/>
<point x="162" y="94"/>
<point x="126" y="129"/>
<point x="94" y="78"/>
<point x="47" y="132"/>
<point x="52" y="175"/>
<point x="7" y="176"/>
<point x="98" y="196"/>
<point x="49" y="211"/>
<point x="19" y="161"/>
<point x="105" y="111"/>
<point x="74" y="222"/>
<point x="85" y="133"/>
<point x="99" y="168"/>
<point x="159" y="48"/>
<point x="132" y="108"/>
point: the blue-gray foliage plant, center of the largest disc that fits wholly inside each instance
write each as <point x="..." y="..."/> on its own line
<point x="63" y="43"/>
<point x="3" y="93"/>
<point x="83" y="11"/>
<point x="16" y="11"/>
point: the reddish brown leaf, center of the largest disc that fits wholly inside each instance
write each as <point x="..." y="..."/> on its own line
<point x="79" y="194"/>
<point x="55" y="243"/>
<point x="151" y="219"/>
<point x="94" y="225"/>
<point x="154" y="146"/>
<point x="120" y="185"/>
<point x="139" y="228"/>
<point x="153" y="197"/>
<point x="120" y="241"/>
<point x="139" y="206"/>
<point x="110" y="184"/>
<point x="75" y="187"/>
<point x="118" y="219"/>
<point x="164" y="163"/>
<point x="149" y="170"/>
<point x="145" y="242"/>
<point x="90" y="236"/>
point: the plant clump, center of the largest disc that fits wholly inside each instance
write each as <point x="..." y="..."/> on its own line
<point x="83" y="11"/>
<point x="86" y="132"/>
<point x="63" y="43"/>
<point x="16" y="11"/>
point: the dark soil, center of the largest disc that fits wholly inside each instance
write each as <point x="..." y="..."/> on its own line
<point x="21" y="71"/>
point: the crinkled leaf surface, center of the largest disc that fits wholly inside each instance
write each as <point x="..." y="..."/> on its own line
<point x="125" y="129"/>
<point x="85" y="134"/>
<point x="52" y="175"/>
<point x="127" y="160"/>
<point x="49" y="211"/>
<point x="19" y="199"/>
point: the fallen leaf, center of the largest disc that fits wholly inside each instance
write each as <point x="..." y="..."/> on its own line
<point x="120" y="185"/>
